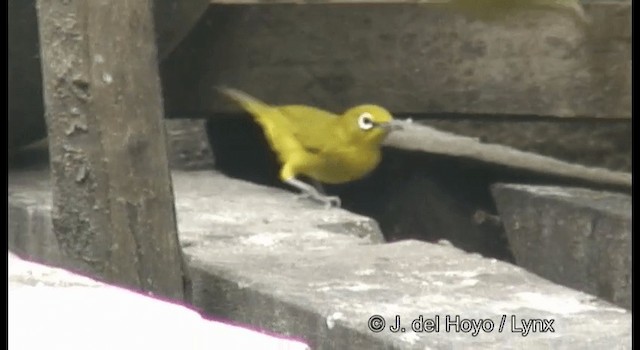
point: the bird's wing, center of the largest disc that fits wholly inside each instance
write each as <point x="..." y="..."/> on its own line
<point x="278" y="129"/>
<point x="314" y="128"/>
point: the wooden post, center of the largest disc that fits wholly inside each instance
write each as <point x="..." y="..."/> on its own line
<point x="113" y="208"/>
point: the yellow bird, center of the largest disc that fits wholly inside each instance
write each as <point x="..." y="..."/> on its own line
<point x="320" y="145"/>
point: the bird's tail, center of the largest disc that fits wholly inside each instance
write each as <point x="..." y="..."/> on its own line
<point x="249" y="103"/>
<point x="276" y="126"/>
<point x="266" y="115"/>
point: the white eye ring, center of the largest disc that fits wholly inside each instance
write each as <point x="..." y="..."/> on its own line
<point x="365" y="121"/>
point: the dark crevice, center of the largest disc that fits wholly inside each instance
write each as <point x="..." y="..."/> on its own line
<point x="412" y="195"/>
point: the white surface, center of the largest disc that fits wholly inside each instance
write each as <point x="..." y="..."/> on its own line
<point x="74" y="314"/>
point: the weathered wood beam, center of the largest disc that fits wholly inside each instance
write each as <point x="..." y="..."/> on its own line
<point x="409" y="57"/>
<point x="423" y="138"/>
<point x="113" y="199"/>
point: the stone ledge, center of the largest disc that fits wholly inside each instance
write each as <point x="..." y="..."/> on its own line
<point x="208" y="205"/>
<point x="328" y="296"/>
<point x="233" y="211"/>
<point x="573" y="236"/>
<point x="258" y="257"/>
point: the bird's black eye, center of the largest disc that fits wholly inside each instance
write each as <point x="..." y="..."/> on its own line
<point x="365" y="121"/>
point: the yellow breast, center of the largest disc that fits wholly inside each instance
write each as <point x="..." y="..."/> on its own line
<point x="351" y="163"/>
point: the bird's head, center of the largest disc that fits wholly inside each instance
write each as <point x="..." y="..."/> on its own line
<point x="369" y="123"/>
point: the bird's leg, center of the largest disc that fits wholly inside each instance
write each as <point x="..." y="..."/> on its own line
<point x="318" y="185"/>
<point x="309" y="191"/>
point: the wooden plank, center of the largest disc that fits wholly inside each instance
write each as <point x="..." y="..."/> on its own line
<point x="174" y="19"/>
<point x="314" y="2"/>
<point x="321" y="2"/>
<point x="411" y="58"/>
<point x="113" y="199"/>
<point x="587" y="142"/>
<point x="427" y="139"/>
<point x="484" y="9"/>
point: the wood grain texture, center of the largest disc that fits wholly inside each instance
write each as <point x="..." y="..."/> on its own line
<point x="411" y="58"/>
<point x="113" y="199"/>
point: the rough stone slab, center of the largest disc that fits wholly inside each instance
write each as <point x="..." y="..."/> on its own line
<point x="572" y="236"/>
<point x="258" y="258"/>
<point x="410" y="58"/>
<point x="328" y="296"/>
<point x="232" y="211"/>
<point x="208" y="204"/>
<point x="54" y="308"/>
<point x="423" y="138"/>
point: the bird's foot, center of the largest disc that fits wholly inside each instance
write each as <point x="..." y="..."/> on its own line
<point x="312" y="193"/>
<point x="303" y="195"/>
<point x="328" y="201"/>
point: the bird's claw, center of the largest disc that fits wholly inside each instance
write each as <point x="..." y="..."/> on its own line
<point x="331" y="202"/>
<point x="303" y="195"/>
<point x="328" y="201"/>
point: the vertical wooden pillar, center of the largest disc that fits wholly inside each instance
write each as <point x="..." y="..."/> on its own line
<point x="112" y="195"/>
